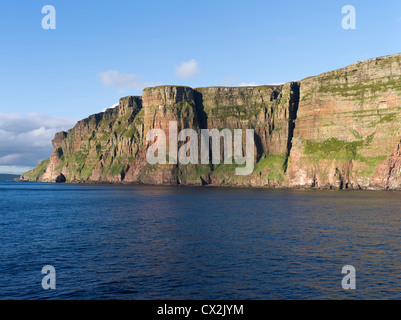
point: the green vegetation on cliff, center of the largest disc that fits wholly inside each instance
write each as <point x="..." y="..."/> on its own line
<point x="359" y="90"/>
<point x="332" y="149"/>
<point x="272" y="167"/>
<point x="38" y="171"/>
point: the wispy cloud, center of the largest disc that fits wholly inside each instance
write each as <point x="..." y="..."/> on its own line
<point x="14" y="169"/>
<point x="232" y="82"/>
<point x="122" y="81"/>
<point x="229" y="82"/>
<point x="26" y="139"/>
<point x="187" y="69"/>
<point x="248" y="84"/>
<point x="113" y="106"/>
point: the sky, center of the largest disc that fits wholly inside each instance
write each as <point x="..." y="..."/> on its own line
<point x="103" y="50"/>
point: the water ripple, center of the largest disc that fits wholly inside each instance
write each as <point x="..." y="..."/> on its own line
<point x="141" y="242"/>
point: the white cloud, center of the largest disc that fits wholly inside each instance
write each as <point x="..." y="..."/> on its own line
<point x="14" y="169"/>
<point x="9" y="158"/>
<point x="122" y="81"/>
<point x="26" y="139"/>
<point x="187" y="69"/>
<point x="113" y="106"/>
<point x="232" y="82"/>
<point x="249" y="84"/>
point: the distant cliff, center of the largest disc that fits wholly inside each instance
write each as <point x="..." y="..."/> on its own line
<point x="341" y="129"/>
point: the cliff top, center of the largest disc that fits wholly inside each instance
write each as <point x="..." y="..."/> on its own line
<point x="389" y="65"/>
<point x="389" y="59"/>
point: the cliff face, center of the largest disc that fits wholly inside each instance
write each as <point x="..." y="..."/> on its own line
<point x="347" y="126"/>
<point x="336" y="130"/>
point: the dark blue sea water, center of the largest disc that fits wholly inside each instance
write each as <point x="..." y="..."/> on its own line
<point x="152" y="242"/>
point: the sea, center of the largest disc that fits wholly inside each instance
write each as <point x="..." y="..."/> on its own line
<point x="138" y="242"/>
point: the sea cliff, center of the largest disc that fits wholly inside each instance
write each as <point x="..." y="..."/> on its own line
<point x="339" y="130"/>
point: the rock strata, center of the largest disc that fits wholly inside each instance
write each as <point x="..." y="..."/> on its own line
<point x="338" y="130"/>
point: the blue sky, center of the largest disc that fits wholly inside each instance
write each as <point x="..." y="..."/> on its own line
<point x="103" y="50"/>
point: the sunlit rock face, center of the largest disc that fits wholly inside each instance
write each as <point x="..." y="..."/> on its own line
<point x="340" y="129"/>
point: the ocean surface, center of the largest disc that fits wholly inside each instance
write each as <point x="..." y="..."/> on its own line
<point x="155" y="242"/>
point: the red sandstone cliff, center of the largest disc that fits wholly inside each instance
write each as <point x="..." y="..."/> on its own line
<point x="336" y="130"/>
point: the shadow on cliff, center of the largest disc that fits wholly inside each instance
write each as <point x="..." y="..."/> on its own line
<point x="293" y="110"/>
